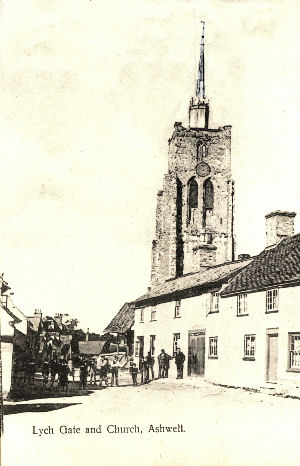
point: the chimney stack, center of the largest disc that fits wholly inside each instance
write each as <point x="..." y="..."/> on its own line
<point x="243" y="257"/>
<point x="58" y="319"/>
<point x="279" y="225"/>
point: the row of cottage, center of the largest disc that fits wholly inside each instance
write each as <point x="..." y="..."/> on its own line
<point x="27" y="341"/>
<point x="238" y="322"/>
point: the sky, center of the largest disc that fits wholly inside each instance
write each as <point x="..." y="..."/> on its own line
<point x="90" y="91"/>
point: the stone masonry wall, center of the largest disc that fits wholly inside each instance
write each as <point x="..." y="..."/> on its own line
<point x="184" y="155"/>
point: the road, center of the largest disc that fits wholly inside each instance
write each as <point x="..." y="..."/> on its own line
<point x="212" y="426"/>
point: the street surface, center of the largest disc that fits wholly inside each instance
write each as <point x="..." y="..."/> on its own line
<point x="212" y="425"/>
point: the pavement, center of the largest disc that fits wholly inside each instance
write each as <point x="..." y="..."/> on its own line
<point x="165" y="422"/>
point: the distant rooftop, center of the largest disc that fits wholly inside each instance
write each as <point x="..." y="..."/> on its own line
<point x="91" y="347"/>
<point x="123" y="321"/>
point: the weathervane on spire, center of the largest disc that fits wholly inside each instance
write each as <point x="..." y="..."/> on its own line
<point x="200" y="89"/>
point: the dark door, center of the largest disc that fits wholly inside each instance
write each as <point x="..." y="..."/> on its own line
<point x="141" y="349"/>
<point x="196" y="357"/>
<point x="272" y="358"/>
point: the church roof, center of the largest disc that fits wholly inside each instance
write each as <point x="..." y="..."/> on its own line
<point x="192" y="284"/>
<point x="122" y="321"/>
<point x="275" y="266"/>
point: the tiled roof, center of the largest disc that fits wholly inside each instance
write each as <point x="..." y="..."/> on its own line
<point x="91" y="347"/>
<point x="123" y="321"/>
<point x="193" y="283"/>
<point x="275" y="266"/>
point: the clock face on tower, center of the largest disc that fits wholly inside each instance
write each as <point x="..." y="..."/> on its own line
<point x="202" y="169"/>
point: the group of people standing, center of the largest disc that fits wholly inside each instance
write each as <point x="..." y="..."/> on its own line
<point x="164" y="363"/>
<point x="98" y="369"/>
<point x="57" y="369"/>
<point x="89" y="368"/>
<point x="146" y="366"/>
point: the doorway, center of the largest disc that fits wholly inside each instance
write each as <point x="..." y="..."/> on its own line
<point x="196" y="356"/>
<point x="139" y="352"/>
<point x="272" y="357"/>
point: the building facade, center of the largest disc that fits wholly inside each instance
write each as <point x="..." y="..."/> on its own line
<point x="14" y="341"/>
<point x="193" y="249"/>
<point x="174" y="315"/>
<point x="236" y="321"/>
<point x="257" y="329"/>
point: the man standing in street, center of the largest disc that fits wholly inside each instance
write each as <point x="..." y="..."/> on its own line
<point x="45" y="372"/>
<point x="143" y="369"/>
<point x="115" y="371"/>
<point x="104" y="369"/>
<point x="53" y="369"/>
<point x="179" y="361"/>
<point x="163" y="364"/>
<point x="92" y="372"/>
<point x="83" y="373"/>
<point x="149" y="365"/>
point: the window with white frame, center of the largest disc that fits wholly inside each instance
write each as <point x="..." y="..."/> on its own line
<point x="241" y="304"/>
<point x="294" y="351"/>
<point x="153" y="313"/>
<point x="152" y="344"/>
<point x="249" y="346"/>
<point x="177" y="309"/>
<point x="272" y="300"/>
<point x="215" y="302"/>
<point x="213" y="347"/>
<point x="142" y="315"/>
<point x="176" y="342"/>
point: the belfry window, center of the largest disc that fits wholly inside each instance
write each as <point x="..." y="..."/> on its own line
<point x="201" y="151"/>
<point x="208" y="198"/>
<point x="193" y="197"/>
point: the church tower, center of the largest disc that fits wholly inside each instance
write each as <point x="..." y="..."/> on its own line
<point x="194" y="215"/>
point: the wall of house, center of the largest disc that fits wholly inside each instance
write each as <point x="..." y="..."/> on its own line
<point x="230" y="367"/>
<point x="7" y="332"/>
<point x="193" y="312"/>
<point x="289" y="321"/>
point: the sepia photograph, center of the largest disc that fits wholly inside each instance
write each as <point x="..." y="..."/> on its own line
<point x="150" y="232"/>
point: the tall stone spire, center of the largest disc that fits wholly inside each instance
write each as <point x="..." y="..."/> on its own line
<point x="200" y="89"/>
<point x="199" y="108"/>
